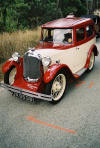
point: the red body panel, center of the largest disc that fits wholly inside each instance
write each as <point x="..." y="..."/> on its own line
<point x="19" y="80"/>
<point x="35" y="87"/>
<point x="21" y="83"/>
<point x="52" y="71"/>
<point x="67" y="22"/>
<point x="47" y="45"/>
<point x="8" y="65"/>
<point x="93" y="47"/>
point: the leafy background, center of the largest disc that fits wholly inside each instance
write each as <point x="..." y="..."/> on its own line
<point x="27" y="14"/>
<point x="20" y="22"/>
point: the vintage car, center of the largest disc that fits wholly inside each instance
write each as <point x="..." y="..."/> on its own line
<point x="66" y="50"/>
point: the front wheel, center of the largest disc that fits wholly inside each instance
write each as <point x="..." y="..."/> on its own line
<point x="56" y="87"/>
<point x="92" y="61"/>
<point x="9" y="76"/>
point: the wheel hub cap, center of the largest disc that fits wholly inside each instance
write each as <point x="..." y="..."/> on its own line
<point x="58" y="87"/>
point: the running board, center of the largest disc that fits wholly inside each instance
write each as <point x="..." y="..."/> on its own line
<point x="26" y="93"/>
<point x="79" y="73"/>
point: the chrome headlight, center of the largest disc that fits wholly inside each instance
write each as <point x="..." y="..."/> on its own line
<point x="46" y="61"/>
<point x="16" y="56"/>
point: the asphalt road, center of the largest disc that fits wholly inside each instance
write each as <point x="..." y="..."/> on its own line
<point x="35" y="125"/>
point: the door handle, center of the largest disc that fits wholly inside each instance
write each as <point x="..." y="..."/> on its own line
<point x="77" y="48"/>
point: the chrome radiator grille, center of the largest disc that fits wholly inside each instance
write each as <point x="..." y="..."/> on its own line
<point x="31" y="67"/>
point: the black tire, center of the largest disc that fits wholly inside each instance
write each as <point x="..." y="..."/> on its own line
<point x="92" y="60"/>
<point x="49" y="86"/>
<point x="98" y="35"/>
<point x="6" y="75"/>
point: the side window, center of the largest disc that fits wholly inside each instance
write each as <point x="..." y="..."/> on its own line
<point x="80" y="34"/>
<point x="89" y="30"/>
<point x="48" y="34"/>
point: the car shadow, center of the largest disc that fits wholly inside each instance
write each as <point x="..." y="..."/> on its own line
<point x="80" y="81"/>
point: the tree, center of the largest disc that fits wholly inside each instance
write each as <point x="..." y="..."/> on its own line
<point x="13" y="15"/>
<point x="42" y="11"/>
<point x="75" y="6"/>
<point x="22" y="14"/>
<point x="4" y="7"/>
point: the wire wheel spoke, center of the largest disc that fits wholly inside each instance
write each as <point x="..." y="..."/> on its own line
<point x="91" y="61"/>
<point x="58" y="87"/>
<point x="55" y="93"/>
<point x="12" y="76"/>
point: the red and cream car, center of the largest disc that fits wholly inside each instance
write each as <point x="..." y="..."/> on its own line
<point x="66" y="49"/>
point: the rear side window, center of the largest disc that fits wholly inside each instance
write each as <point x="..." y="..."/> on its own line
<point x="89" y="30"/>
<point x="80" y="34"/>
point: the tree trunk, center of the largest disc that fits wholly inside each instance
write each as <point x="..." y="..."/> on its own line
<point x="4" y="18"/>
<point x="59" y="6"/>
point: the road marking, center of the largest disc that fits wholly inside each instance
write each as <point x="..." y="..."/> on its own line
<point x="91" y="84"/>
<point x="50" y="125"/>
<point x="80" y="83"/>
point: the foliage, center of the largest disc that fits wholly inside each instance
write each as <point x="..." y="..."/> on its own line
<point x="27" y="14"/>
<point x="75" y="6"/>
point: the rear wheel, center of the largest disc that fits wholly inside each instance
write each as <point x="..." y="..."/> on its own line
<point x="9" y="76"/>
<point x="92" y="61"/>
<point x="56" y="87"/>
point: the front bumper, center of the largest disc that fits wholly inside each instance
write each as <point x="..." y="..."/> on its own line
<point x="27" y="93"/>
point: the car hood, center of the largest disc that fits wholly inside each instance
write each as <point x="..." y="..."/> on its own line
<point x="47" y="52"/>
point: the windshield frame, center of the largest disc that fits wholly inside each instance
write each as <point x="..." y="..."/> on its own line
<point x="72" y="35"/>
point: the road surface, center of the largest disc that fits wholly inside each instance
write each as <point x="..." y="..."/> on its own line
<point x="72" y="123"/>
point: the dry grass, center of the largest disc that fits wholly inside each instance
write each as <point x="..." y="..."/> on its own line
<point x="18" y="41"/>
<point x="1" y="74"/>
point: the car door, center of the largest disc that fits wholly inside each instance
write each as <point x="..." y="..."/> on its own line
<point x="81" y="48"/>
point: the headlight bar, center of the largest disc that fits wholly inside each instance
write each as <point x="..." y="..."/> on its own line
<point x="46" y="61"/>
<point x="27" y="93"/>
<point x="16" y="56"/>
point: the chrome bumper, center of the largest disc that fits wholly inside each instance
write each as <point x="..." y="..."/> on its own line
<point x="26" y="93"/>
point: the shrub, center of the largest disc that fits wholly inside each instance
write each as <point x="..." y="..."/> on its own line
<point x="17" y="41"/>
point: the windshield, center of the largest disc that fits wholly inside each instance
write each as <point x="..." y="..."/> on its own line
<point x="58" y="36"/>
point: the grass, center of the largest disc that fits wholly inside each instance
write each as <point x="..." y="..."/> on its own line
<point x="18" y="41"/>
<point x="1" y="75"/>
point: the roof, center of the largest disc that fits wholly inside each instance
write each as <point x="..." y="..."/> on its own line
<point x="94" y="17"/>
<point x="67" y="22"/>
<point x="90" y="16"/>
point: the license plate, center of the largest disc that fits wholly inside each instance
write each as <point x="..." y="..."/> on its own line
<point x="23" y="97"/>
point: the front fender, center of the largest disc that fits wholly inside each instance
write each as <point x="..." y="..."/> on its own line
<point x="9" y="63"/>
<point x="92" y="49"/>
<point x="52" y="71"/>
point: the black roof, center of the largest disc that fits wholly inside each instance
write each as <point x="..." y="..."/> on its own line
<point x="93" y="17"/>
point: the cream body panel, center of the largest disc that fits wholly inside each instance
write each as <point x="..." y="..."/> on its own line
<point x="65" y="56"/>
<point x="82" y="53"/>
<point x="74" y="58"/>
